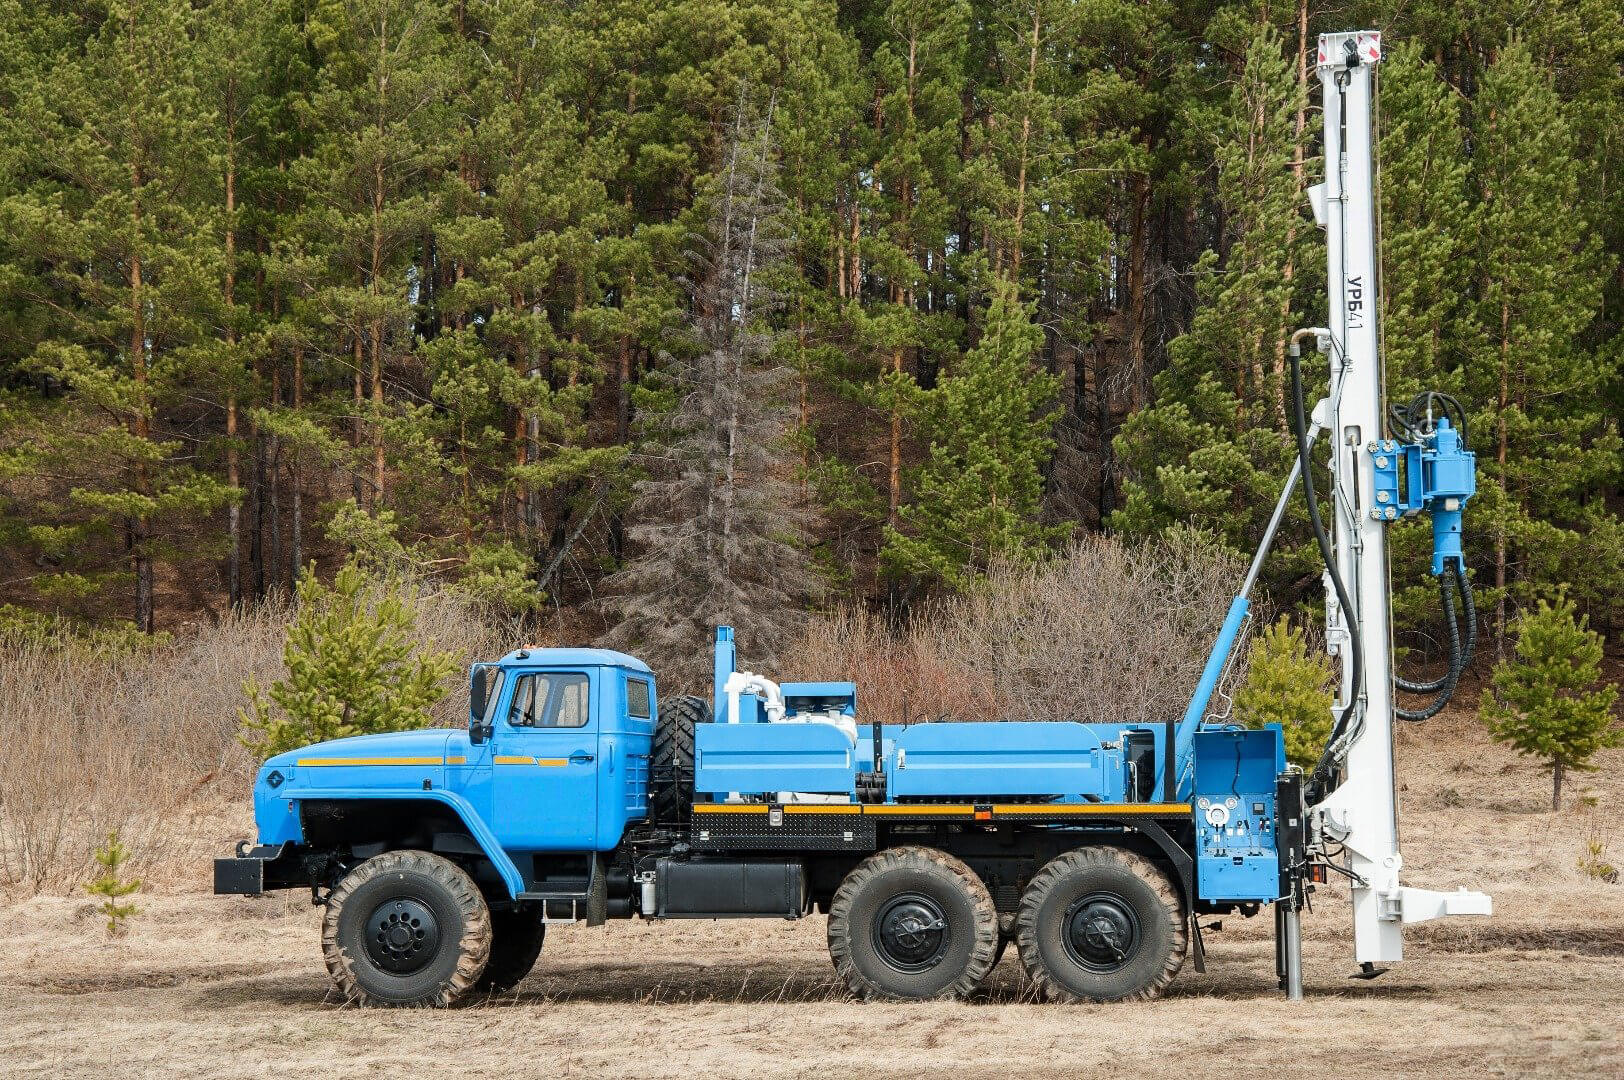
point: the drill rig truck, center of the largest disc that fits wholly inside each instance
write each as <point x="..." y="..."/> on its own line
<point x="575" y="793"/>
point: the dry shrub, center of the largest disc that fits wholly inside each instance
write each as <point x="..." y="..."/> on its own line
<point x="120" y="741"/>
<point x="1105" y="632"/>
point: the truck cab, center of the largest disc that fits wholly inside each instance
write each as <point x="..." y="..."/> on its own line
<point x="553" y="765"/>
<point x="558" y="744"/>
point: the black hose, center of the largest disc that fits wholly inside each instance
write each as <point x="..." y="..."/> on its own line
<point x="1350" y="615"/>
<point x="1446" y="594"/>
<point x="1459" y="658"/>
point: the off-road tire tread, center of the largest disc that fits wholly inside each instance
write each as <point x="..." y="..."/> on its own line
<point x="473" y="949"/>
<point x="516" y="940"/>
<point x="984" y="944"/>
<point x="1052" y="874"/>
<point x="672" y="754"/>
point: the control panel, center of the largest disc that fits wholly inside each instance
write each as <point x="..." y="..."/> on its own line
<point x="1237" y="856"/>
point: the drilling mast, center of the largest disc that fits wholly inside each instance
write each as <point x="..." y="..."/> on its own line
<point x="1360" y="816"/>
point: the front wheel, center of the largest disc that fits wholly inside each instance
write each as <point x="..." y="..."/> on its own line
<point x="406" y="928"/>
<point x="1101" y="924"/>
<point x="912" y="923"/>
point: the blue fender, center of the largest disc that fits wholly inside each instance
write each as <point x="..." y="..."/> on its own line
<point x="470" y="818"/>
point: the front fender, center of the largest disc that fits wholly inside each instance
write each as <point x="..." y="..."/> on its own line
<point x="471" y="820"/>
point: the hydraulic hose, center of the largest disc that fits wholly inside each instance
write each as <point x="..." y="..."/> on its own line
<point x="1459" y="657"/>
<point x="1350" y="615"/>
<point x="1446" y="595"/>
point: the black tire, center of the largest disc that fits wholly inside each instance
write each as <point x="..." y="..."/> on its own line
<point x="1101" y="924"/>
<point x="912" y="923"/>
<point x="516" y="937"/>
<point x="673" y="755"/>
<point x="406" y="928"/>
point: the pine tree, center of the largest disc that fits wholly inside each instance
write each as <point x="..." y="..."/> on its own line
<point x="977" y="497"/>
<point x="721" y="536"/>
<point x="353" y="667"/>
<point x="1213" y="449"/>
<point x="1546" y="444"/>
<point x="382" y="134"/>
<point x="111" y="884"/>
<point x="1286" y="684"/>
<point x="1548" y="702"/>
<point x="113" y="232"/>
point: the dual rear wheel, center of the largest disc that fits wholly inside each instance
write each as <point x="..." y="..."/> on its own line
<point x="1095" y="924"/>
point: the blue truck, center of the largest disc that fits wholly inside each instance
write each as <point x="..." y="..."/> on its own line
<point x="575" y="794"/>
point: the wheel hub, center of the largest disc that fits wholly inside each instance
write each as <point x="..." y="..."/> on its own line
<point x="1101" y="932"/>
<point x="402" y="936"/>
<point x="911" y="932"/>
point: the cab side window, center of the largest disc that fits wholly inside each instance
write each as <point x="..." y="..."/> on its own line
<point x="551" y="700"/>
<point x="637" y="699"/>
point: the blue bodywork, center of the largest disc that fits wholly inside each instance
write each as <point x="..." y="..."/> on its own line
<point x="1433" y="474"/>
<point x="567" y="769"/>
<point x="1235" y="820"/>
<point x="561" y="784"/>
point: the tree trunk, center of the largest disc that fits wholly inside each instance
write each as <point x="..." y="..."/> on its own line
<point x="140" y="528"/>
<point x="1556" y="785"/>
<point x="1502" y="442"/>
<point x="233" y="457"/>
<point x="1026" y="139"/>
<point x="356" y="430"/>
<point x="296" y="554"/>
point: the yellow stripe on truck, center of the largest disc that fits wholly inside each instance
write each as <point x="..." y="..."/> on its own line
<point x="320" y="761"/>
<point x="958" y="809"/>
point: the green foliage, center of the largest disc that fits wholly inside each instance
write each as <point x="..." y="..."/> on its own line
<point x="432" y="259"/>
<point x="987" y="424"/>
<point x="111" y="884"/>
<point x="1548" y="701"/>
<point x="1213" y="449"/>
<point x="1290" y="685"/>
<point x="353" y="668"/>
<point x="1547" y="442"/>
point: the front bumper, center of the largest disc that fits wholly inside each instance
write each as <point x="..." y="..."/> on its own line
<point x="251" y="872"/>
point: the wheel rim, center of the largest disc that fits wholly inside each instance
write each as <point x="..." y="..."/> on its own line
<point x="1101" y="932"/>
<point x="911" y="932"/>
<point x="402" y="935"/>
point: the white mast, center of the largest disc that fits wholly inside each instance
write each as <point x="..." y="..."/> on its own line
<point x="1362" y="815"/>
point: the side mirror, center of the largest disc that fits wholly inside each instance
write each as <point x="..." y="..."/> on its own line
<point x="478" y="693"/>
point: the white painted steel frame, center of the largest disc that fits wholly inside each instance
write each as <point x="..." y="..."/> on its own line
<point x="1362" y="814"/>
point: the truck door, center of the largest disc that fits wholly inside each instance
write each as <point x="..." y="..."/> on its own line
<point x="545" y="765"/>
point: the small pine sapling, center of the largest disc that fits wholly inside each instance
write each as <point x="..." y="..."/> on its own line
<point x="1548" y="700"/>
<point x="112" y="886"/>
<point x="353" y="666"/>
<point x="1286" y="684"/>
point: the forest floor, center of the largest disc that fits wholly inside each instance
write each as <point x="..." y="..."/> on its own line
<point x="206" y="986"/>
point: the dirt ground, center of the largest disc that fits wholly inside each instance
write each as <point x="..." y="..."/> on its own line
<point x="205" y="986"/>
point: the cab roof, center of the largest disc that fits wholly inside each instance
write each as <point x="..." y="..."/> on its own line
<point x="573" y="658"/>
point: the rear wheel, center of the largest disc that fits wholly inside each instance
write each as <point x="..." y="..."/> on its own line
<point x="673" y="754"/>
<point x="516" y="937"/>
<point x="1101" y="924"/>
<point x="912" y="923"/>
<point x="406" y="928"/>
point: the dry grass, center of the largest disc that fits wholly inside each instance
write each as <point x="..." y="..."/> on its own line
<point x="98" y="741"/>
<point x="1108" y="631"/>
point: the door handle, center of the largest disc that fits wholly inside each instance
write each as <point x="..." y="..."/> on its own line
<point x="580" y="757"/>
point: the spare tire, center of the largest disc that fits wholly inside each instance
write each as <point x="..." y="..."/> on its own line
<point x="672" y="779"/>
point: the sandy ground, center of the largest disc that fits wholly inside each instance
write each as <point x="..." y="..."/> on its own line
<point x="205" y="986"/>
